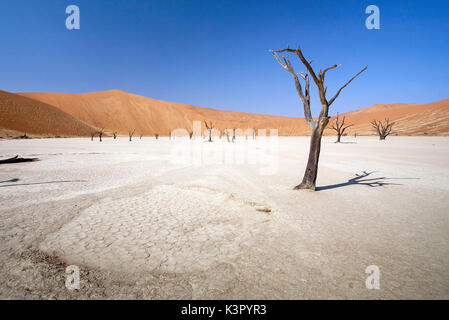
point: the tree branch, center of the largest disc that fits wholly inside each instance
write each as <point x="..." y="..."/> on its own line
<point x="338" y="92"/>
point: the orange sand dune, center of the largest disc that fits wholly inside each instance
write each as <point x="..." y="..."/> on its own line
<point x="25" y="115"/>
<point x="117" y="110"/>
<point x="410" y="119"/>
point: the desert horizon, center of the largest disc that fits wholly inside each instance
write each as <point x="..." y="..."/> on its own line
<point x="119" y="111"/>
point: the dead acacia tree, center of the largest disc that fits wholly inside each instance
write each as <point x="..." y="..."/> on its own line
<point x="115" y="134"/>
<point x="233" y="135"/>
<point x="92" y="135"/>
<point x="190" y="135"/>
<point x="100" y="133"/>
<point x="227" y="134"/>
<point x="156" y="135"/>
<point x="316" y="125"/>
<point x="209" y="127"/>
<point x="340" y="127"/>
<point x="130" y="134"/>
<point x="383" y="129"/>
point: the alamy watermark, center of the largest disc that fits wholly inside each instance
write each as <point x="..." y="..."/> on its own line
<point x="235" y="147"/>
<point x="72" y="280"/>
<point x="373" y="20"/>
<point x="373" y="280"/>
<point x="72" y="22"/>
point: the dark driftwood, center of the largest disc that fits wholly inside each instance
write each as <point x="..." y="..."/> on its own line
<point x="16" y="159"/>
<point x="316" y="125"/>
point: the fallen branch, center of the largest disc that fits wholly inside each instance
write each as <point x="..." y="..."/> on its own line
<point x="16" y="159"/>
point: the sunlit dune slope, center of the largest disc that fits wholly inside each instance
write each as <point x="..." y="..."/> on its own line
<point x="117" y="110"/>
<point x="410" y="119"/>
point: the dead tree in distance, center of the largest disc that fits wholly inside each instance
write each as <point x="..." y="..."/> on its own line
<point x="190" y="134"/>
<point x="114" y="134"/>
<point x="92" y="135"/>
<point x="383" y="129"/>
<point x="100" y="133"/>
<point x="130" y="134"/>
<point x="340" y="127"/>
<point x="316" y="126"/>
<point x="233" y="135"/>
<point x="227" y="134"/>
<point x="209" y="127"/>
<point x="156" y="135"/>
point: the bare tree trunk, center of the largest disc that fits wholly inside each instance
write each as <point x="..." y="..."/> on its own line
<point x="338" y="138"/>
<point x="310" y="175"/>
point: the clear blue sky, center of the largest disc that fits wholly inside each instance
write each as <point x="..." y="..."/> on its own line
<point x="214" y="53"/>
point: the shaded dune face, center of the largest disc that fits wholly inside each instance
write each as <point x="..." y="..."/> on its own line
<point x="117" y="110"/>
<point x="30" y="116"/>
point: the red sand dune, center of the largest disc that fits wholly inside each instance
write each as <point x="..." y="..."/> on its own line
<point x="410" y="119"/>
<point x="24" y="115"/>
<point x="117" y="110"/>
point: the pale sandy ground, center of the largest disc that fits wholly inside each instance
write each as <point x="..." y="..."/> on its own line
<point x="141" y="226"/>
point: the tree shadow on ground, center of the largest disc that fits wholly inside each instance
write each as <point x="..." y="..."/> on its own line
<point x="10" y="180"/>
<point x="346" y="142"/>
<point x="359" y="179"/>
<point x="34" y="183"/>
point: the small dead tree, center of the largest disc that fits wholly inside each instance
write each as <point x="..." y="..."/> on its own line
<point x="156" y="135"/>
<point x="317" y="126"/>
<point x="100" y="133"/>
<point x="190" y="135"/>
<point x="233" y="135"/>
<point x="209" y="127"/>
<point x="227" y="134"/>
<point x="114" y="135"/>
<point x="382" y="129"/>
<point x="340" y="127"/>
<point x="141" y="135"/>
<point x="130" y="134"/>
<point x="92" y="135"/>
